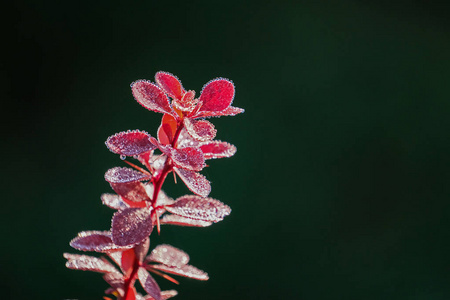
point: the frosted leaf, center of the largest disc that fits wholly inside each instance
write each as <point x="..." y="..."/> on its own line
<point x="164" y="295"/>
<point x="217" y="149"/>
<point x="151" y="96"/>
<point x="188" y="158"/>
<point x="132" y="191"/>
<point x="217" y="95"/>
<point x="98" y="241"/>
<point x="185" y="271"/>
<point x="195" y="182"/>
<point x="186" y="140"/>
<point x="195" y="207"/>
<point x="163" y="199"/>
<point x="229" y="111"/>
<point x="182" y="221"/>
<point x="88" y="263"/>
<point x="149" y="284"/>
<point x="169" y="256"/>
<point x="200" y="130"/>
<point x="141" y="249"/>
<point x="115" y="280"/>
<point x="113" y="201"/>
<point x="131" y="226"/>
<point x="170" y="84"/>
<point x="157" y="163"/>
<point x="123" y="175"/>
<point x="130" y="143"/>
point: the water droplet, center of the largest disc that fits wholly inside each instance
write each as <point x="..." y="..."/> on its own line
<point x="122" y="157"/>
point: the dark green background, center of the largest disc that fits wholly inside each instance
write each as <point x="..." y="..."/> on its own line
<point x="340" y="185"/>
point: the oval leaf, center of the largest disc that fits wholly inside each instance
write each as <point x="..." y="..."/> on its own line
<point x="182" y="221"/>
<point x="200" y="130"/>
<point x="217" y="149"/>
<point x="98" y="241"/>
<point x="130" y="143"/>
<point x="151" y="96"/>
<point x="131" y="226"/>
<point x="195" y="207"/>
<point x="124" y="175"/>
<point x="217" y="95"/>
<point x="170" y="84"/>
<point x="169" y="256"/>
<point x="195" y="182"/>
<point x="88" y="263"/>
<point x="185" y="271"/>
<point x="229" y="111"/>
<point x="188" y="158"/>
<point x="131" y="191"/>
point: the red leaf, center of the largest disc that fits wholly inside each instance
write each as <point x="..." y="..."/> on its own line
<point x="124" y="175"/>
<point x="131" y="226"/>
<point x="188" y="158"/>
<point x="169" y="256"/>
<point x="195" y="207"/>
<point x="130" y="143"/>
<point x="196" y="182"/>
<point x="200" y="130"/>
<point x="167" y="129"/>
<point x="113" y="201"/>
<point x="186" y="271"/>
<point x="127" y="262"/>
<point x="217" y="149"/>
<point x="151" y="96"/>
<point x="149" y="284"/>
<point x="217" y="95"/>
<point x="131" y="191"/>
<point x="182" y="221"/>
<point x="229" y="111"/>
<point x="170" y="84"/>
<point x="88" y="263"/>
<point x="98" y="241"/>
<point x="187" y="103"/>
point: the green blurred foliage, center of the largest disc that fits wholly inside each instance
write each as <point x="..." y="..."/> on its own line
<point x="339" y="188"/>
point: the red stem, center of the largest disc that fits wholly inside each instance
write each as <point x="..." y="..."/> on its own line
<point x="158" y="182"/>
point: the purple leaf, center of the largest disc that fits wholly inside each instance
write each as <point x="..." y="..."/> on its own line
<point x="188" y="158"/>
<point x="131" y="226"/>
<point x="182" y="221"/>
<point x="113" y="201"/>
<point x="186" y="271"/>
<point x="149" y="284"/>
<point x="124" y="175"/>
<point x="130" y="143"/>
<point x="217" y="149"/>
<point x="196" y="182"/>
<point x="88" y="263"/>
<point x="151" y="96"/>
<point x="169" y="256"/>
<point x="132" y="191"/>
<point x="98" y="241"/>
<point x="195" y="207"/>
<point x="200" y="130"/>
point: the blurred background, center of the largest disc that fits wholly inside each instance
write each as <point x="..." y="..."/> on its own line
<point x="340" y="185"/>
